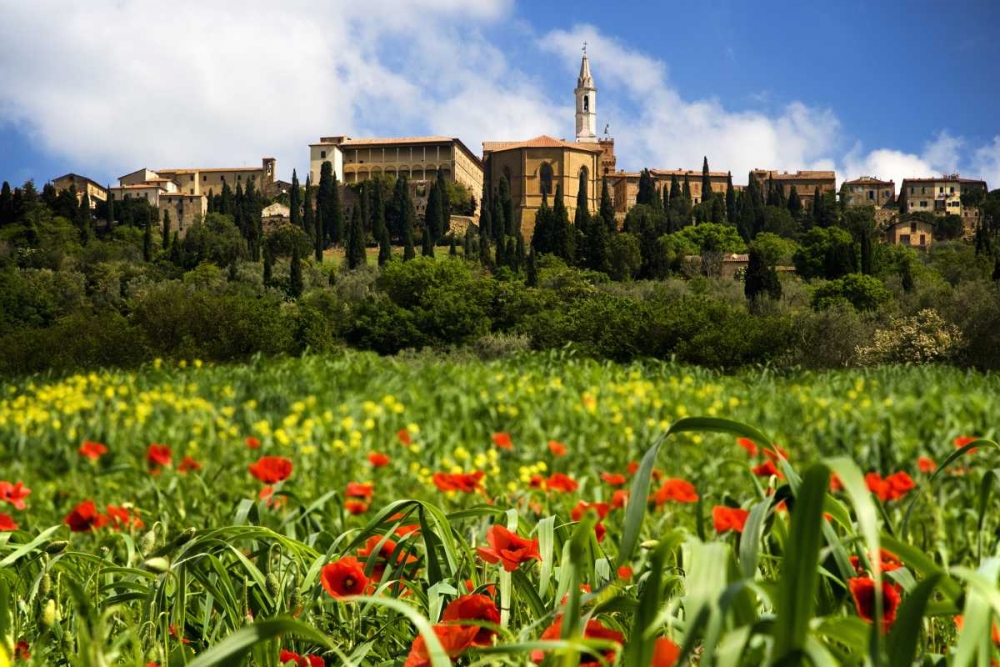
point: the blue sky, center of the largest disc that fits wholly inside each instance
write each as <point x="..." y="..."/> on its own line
<point x="894" y="89"/>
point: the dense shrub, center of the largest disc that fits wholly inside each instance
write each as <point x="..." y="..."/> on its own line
<point x="828" y="338"/>
<point x="861" y="291"/>
<point x="919" y="339"/>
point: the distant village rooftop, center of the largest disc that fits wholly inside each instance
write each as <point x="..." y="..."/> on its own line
<point x="542" y="141"/>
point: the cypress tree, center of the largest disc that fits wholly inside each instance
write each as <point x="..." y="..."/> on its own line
<point x="308" y="212"/>
<point x="484" y="249"/>
<point x="318" y="240"/>
<point x="510" y="255"/>
<point x="452" y="246"/>
<point x="111" y="209"/>
<point x="542" y="238"/>
<point x="335" y="233"/>
<point x="227" y="205"/>
<point x="467" y="243"/>
<point x="607" y="210"/>
<point x="867" y="259"/>
<point x="761" y="279"/>
<point x="794" y="202"/>
<point x="434" y="214"/>
<point x="166" y="230"/>
<point x="817" y="210"/>
<point x="706" y="183"/>
<point x="647" y="188"/>
<point x="378" y="210"/>
<point x="384" y="247"/>
<point x="295" y="202"/>
<point x="675" y="187"/>
<point x="507" y="206"/>
<point x="486" y="216"/>
<point x="7" y="204"/>
<point x="730" y="199"/>
<point x="427" y="249"/>
<point x="532" y="269"/>
<point x="211" y="202"/>
<point x="295" y="285"/>
<point x="147" y="238"/>
<point x="499" y="218"/>
<point x="501" y="253"/>
<point x="409" y="219"/>
<point x="445" y="225"/>
<point x="324" y="201"/>
<point x="364" y="188"/>
<point x="564" y="238"/>
<point x="84" y="219"/>
<point x="581" y="219"/>
<point x="356" y="240"/>
<point x="686" y="191"/>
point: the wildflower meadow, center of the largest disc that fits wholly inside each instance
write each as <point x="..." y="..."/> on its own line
<point x="543" y="509"/>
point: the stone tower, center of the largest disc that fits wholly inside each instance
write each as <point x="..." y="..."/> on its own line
<point x="586" y="103"/>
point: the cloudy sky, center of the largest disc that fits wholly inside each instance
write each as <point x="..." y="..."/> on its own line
<point x="893" y="89"/>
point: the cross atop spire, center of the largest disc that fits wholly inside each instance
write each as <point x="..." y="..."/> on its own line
<point x="584" y="48"/>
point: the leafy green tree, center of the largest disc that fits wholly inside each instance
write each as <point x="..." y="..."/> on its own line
<point x="826" y="253"/>
<point x="710" y="237"/>
<point x="774" y="250"/>
<point x="624" y="257"/>
<point x="761" y="279"/>
<point x="147" y="239"/>
<point x="863" y="292"/>
<point x="215" y="239"/>
<point x="948" y="227"/>
<point x="356" y="241"/>
<point x="295" y="283"/>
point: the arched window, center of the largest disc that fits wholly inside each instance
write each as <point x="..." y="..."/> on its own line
<point x="545" y="177"/>
<point x="586" y="102"/>
<point x="586" y="181"/>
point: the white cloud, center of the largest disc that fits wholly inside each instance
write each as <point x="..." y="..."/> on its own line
<point x="986" y="163"/>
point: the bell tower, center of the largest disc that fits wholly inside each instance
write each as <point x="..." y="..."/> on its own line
<point x="586" y="103"/>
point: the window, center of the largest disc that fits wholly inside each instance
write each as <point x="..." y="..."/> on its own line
<point x="586" y="103"/>
<point x="923" y="190"/>
<point x="204" y="178"/>
<point x="191" y="179"/>
<point x="871" y="194"/>
<point x="911" y="190"/>
<point x="322" y="155"/>
<point x="545" y="174"/>
<point x="923" y="203"/>
<point x="923" y="239"/>
<point x="239" y="177"/>
<point x="951" y="190"/>
<point x="913" y="227"/>
<point x="941" y="190"/>
<point x="904" y="239"/>
<point x="191" y="191"/>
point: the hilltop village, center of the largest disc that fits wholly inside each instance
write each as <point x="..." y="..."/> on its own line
<point x="529" y="174"/>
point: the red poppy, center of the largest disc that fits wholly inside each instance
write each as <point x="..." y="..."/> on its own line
<point x="774" y="451"/>
<point x="252" y="442"/>
<point x="403" y="531"/>
<point x="888" y="560"/>
<point x="963" y="440"/>
<point x="176" y="635"/>
<point x="893" y="487"/>
<point x="599" y="531"/>
<point x="119" y="518"/>
<point x="625" y="573"/>
<point x="271" y="469"/>
<point x="7" y="523"/>
<point x="557" y="448"/>
<point x="747" y="444"/>
<point x="83" y="518"/>
<point x="503" y="441"/>
<point x="926" y="465"/>
<point x="158" y="456"/>
<point x="403" y="435"/>
<point x="92" y="450"/>
<point x="632" y="467"/>
<point x="384" y="555"/>
<point x="360" y="490"/>
<point x="729" y="518"/>
<point x="536" y="482"/>
<point x="188" y="465"/>
<point x="21" y="650"/>
<point x="835" y="483"/>
<point x="267" y="493"/>
<point x="863" y="590"/>
<point x="378" y="460"/>
<point x="561" y="482"/>
<point x="344" y="577"/>
<point x="489" y="589"/>
<point x="508" y="548"/>
<point x="454" y="638"/>
<point x="677" y="490"/>
<point x="582" y="506"/>
<point x="619" y="499"/>
<point x="614" y="478"/>
<point x="474" y="608"/>
<point x="14" y="494"/>
<point x="355" y="507"/>
<point x="300" y="660"/>
<point x="593" y="630"/>
<point x="467" y="482"/>
<point x="767" y="469"/>
<point x="665" y="653"/>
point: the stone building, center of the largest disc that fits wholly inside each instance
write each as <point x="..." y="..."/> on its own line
<point x="420" y="158"/>
<point x="805" y="182"/>
<point x="624" y="185"/>
<point x="95" y="191"/>
<point x="942" y="196"/>
<point x="911" y="232"/>
<point x="868" y="191"/>
<point x="202" y="181"/>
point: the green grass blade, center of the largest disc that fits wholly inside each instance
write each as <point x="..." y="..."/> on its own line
<point x="904" y="637"/>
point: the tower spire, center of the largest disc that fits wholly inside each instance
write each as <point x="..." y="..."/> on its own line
<point x="586" y="102"/>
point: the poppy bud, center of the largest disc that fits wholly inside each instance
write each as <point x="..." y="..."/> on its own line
<point x="56" y="547"/>
<point x="50" y="615"/>
<point x="295" y="602"/>
<point x="158" y="564"/>
<point x="273" y="585"/>
<point x="44" y="585"/>
<point x="148" y="542"/>
<point x="649" y="544"/>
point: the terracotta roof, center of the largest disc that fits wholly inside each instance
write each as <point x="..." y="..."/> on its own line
<point x="797" y="176"/>
<point x="210" y="169"/>
<point x="543" y="141"/>
<point x="868" y="180"/>
<point x="396" y="141"/>
<point x="954" y="178"/>
<point x="75" y="177"/>
<point x="688" y="172"/>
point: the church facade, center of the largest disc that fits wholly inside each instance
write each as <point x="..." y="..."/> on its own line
<point x="535" y="168"/>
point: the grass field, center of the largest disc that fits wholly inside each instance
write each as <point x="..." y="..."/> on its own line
<point x="352" y="510"/>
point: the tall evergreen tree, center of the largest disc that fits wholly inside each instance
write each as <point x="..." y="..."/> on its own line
<point x="675" y="187"/>
<point x="542" y="239"/>
<point x="295" y="201"/>
<point x="817" y="208"/>
<point x="147" y="238"/>
<point x="111" y="209"/>
<point x="706" y="183"/>
<point x="486" y="216"/>
<point x="308" y="212"/>
<point x="452" y="246"/>
<point x="794" y="202"/>
<point x="378" y="210"/>
<point x="84" y="219"/>
<point x="409" y="220"/>
<point x="211" y="201"/>
<point x="484" y="249"/>
<point x="318" y="240"/>
<point x="268" y="267"/>
<point x="227" y="205"/>
<point x="384" y="247"/>
<point x="730" y="199"/>
<point x="356" y="240"/>
<point x="335" y="231"/>
<point x="565" y="240"/>
<point x="581" y="218"/>
<point x="325" y="198"/>
<point x="532" y="277"/>
<point x="427" y="246"/>
<point x="507" y="206"/>
<point x="761" y="280"/>
<point x="446" y="204"/>
<point x="467" y="243"/>
<point x="364" y="188"/>
<point x="434" y="213"/>
<point x="499" y="218"/>
<point x="647" y="188"/>
<point x="501" y="253"/>
<point x="7" y="204"/>
<point x="686" y="189"/>
<point x="166" y="230"/>
<point x="607" y="210"/>
<point x="295" y="284"/>
<point x="907" y="275"/>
